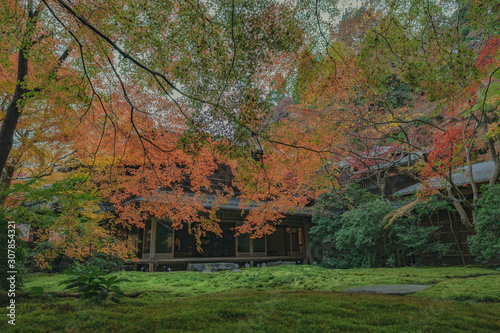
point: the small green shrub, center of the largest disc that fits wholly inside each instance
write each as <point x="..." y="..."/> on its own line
<point x="95" y="288"/>
<point x="486" y="243"/>
<point x="101" y="261"/>
<point x="80" y="268"/>
<point x="105" y="262"/>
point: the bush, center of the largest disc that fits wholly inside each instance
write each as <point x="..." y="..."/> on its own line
<point x="101" y="261"/>
<point x="40" y="249"/>
<point x="350" y="231"/>
<point x="327" y="215"/>
<point x="108" y="263"/>
<point x="486" y="243"/>
<point x="95" y="288"/>
<point x="362" y="239"/>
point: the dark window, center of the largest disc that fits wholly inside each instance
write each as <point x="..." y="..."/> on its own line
<point x="164" y="237"/>
<point x="277" y="242"/>
<point x="244" y="243"/>
<point x="147" y="237"/>
<point x="212" y="245"/>
<point x="259" y="244"/>
<point x="296" y="239"/>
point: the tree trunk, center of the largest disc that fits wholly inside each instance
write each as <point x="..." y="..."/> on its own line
<point x="5" y="182"/>
<point x="496" y="172"/>
<point x="461" y="212"/>
<point x="14" y="109"/>
<point x="13" y="112"/>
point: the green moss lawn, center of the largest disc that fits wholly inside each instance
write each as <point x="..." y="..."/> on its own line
<point x="275" y="299"/>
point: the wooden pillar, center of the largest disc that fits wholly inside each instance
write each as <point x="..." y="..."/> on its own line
<point x="307" y="243"/>
<point x="152" y="251"/>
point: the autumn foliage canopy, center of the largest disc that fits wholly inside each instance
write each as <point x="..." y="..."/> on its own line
<point x="117" y="111"/>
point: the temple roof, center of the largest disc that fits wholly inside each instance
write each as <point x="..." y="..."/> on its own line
<point x="481" y="172"/>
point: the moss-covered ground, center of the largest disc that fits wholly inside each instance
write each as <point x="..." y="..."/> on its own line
<point x="275" y="299"/>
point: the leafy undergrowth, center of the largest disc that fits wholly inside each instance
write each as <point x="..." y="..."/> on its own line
<point x="459" y="283"/>
<point x="270" y="311"/>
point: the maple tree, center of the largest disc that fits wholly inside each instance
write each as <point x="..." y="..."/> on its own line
<point x="143" y="100"/>
<point x="421" y="88"/>
<point x="425" y="52"/>
<point x="454" y="66"/>
<point x="132" y="90"/>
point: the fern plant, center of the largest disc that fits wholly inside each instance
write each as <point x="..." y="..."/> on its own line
<point x="95" y="288"/>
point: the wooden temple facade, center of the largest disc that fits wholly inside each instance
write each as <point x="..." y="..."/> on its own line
<point x="161" y="247"/>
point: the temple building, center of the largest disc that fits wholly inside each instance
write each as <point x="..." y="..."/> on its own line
<point x="161" y="247"/>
